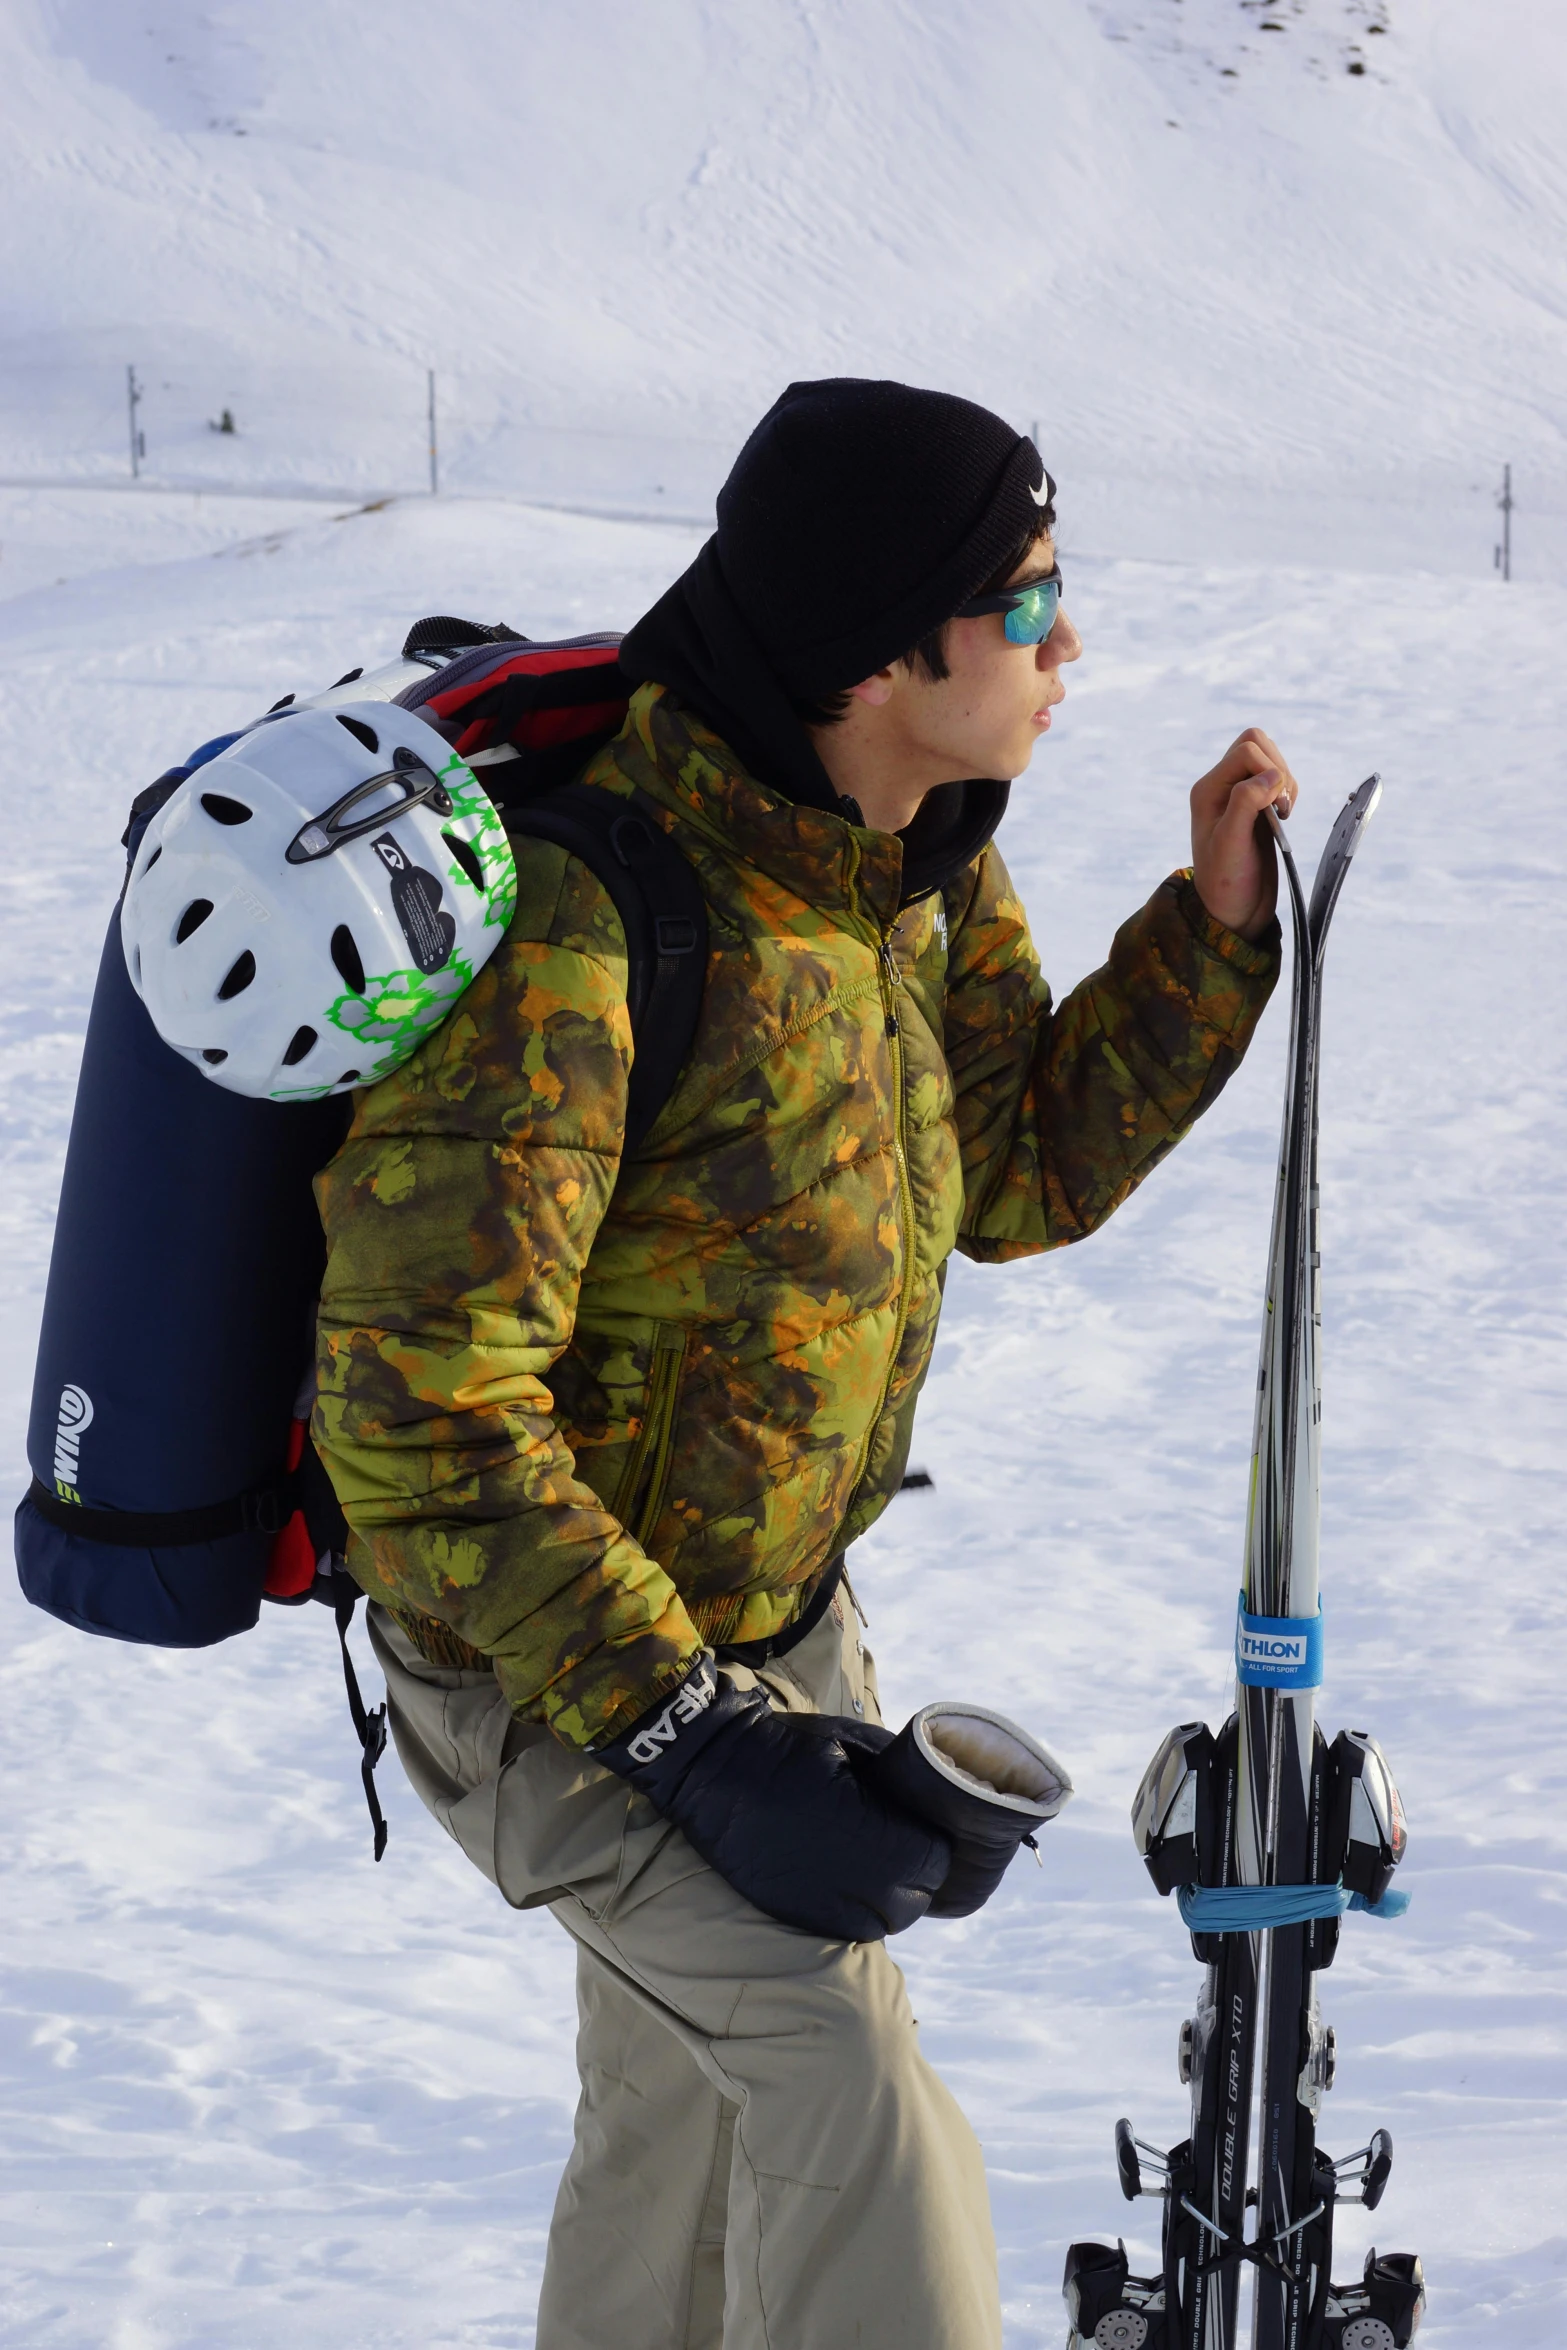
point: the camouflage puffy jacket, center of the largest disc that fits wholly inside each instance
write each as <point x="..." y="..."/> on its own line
<point x="585" y="1416"/>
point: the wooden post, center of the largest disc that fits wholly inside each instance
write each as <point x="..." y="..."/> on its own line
<point x="435" y="476"/>
<point x="138" y="439"/>
<point x="1504" y="553"/>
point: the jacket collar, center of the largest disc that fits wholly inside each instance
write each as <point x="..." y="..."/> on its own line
<point x="683" y="765"/>
<point x="697" y="643"/>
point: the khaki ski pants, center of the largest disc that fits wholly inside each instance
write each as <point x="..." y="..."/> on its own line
<point x="763" y="2159"/>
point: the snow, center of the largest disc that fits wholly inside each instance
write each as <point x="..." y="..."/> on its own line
<point x="255" y="2089"/>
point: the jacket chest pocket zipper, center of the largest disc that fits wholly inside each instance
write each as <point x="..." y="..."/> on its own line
<point x="890" y="996"/>
<point x="644" y="1481"/>
<point x="891" y="980"/>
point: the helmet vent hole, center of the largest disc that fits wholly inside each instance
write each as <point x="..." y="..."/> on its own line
<point x="214" y="1054"/>
<point x="362" y="733"/>
<point x="349" y="1077"/>
<point x="467" y="858"/>
<point x="223" y="810"/>
<point x="136" y="962"/>
<point x="298" y="1045"/>
<point x="238" y="977"/>
<point x="192" y="919"/>
<point x="153" y="859"/>
<point x="346" y="956"/>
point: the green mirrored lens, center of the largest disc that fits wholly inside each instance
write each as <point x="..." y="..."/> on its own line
<point x="1033" y="616"/>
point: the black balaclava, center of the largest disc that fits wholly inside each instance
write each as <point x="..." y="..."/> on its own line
<point x="857" y="518"/>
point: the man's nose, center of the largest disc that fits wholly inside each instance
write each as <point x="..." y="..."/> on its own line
<point x="1062" y="644"/>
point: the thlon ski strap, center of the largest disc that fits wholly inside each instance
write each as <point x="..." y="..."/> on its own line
<point x="1252" y="1909"/>
<point x="1278" y="1652"/>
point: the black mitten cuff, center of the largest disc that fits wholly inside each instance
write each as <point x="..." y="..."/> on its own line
<point x="661" y="1744"/>
<point x="986" y="1784"/>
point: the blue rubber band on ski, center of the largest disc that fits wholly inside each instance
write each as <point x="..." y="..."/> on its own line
<point x="1252" y="1909"/>
<point x="1278" y="1652"/>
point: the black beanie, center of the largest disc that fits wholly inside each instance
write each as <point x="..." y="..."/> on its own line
<point x="856" y="519"/>
<point x="860" y="515"/>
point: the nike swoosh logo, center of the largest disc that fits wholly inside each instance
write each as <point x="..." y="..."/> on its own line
<point x="1041" y="497"/>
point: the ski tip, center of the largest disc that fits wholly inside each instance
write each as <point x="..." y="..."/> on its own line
<point x="1353" y="818"/>
<point x="1344" y="839"/>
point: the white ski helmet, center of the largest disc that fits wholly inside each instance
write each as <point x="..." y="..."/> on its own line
<point x="309" y="904"/>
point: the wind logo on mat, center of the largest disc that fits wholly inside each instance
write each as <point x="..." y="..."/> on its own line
<point x="74" y="1421"/>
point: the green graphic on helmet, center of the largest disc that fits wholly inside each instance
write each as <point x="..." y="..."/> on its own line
<point x="481" y="830"/>
<point x="393" y="1016"/>
<point x="397" y="1009"/>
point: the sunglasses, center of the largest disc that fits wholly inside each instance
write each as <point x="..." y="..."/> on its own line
<point x="1031" y="611"/>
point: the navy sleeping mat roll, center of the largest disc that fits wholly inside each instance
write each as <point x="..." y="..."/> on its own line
<point x="177" y="1329"/>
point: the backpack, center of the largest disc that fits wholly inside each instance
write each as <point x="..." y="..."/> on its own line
<point x="174" y="1485"/>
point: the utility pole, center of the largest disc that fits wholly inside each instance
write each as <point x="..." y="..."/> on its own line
<point x="138" y="438"/>
<point x="1503" y="557"/>
<point x="435" y="476"/>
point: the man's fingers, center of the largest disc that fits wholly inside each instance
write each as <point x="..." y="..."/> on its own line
<point x="1271" y="785"/>
<point x="1248" y="754"/>
<point x="1252" y="755"/>
<point x="1273" y="788"/>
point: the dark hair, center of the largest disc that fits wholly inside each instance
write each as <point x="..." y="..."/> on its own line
<point x="930" y="654"/>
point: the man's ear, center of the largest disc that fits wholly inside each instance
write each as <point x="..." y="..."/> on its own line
<point x="876" y="690"/>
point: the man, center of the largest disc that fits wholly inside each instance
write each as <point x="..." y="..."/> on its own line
<point x="604" y="1426"/>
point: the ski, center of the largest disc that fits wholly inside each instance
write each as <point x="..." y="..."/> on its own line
<point x="1267" y="1834"/>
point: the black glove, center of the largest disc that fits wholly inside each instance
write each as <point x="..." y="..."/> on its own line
<point x="978" y="1778"/>
<point x="777" y="1804"/>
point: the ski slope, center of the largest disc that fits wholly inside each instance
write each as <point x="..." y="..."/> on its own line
<point x="1215" y="265"/>
<point x="253" y="2089"/>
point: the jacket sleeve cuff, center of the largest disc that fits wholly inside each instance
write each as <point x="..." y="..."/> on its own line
<point x="1257" y="958"/>
<point x="673" y="1728"/>
<point x="598" y="1699"/>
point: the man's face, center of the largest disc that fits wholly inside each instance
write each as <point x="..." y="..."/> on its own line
<point x="987" y="715"/>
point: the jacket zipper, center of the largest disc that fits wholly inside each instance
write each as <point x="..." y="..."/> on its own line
<point x="891" y="981"/>
<point x="644" y="1482"/>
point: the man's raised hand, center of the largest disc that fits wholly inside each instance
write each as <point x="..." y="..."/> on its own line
<point x="1233" y="861"/>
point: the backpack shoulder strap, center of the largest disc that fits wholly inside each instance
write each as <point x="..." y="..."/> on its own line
<point x="660" y="903"/>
